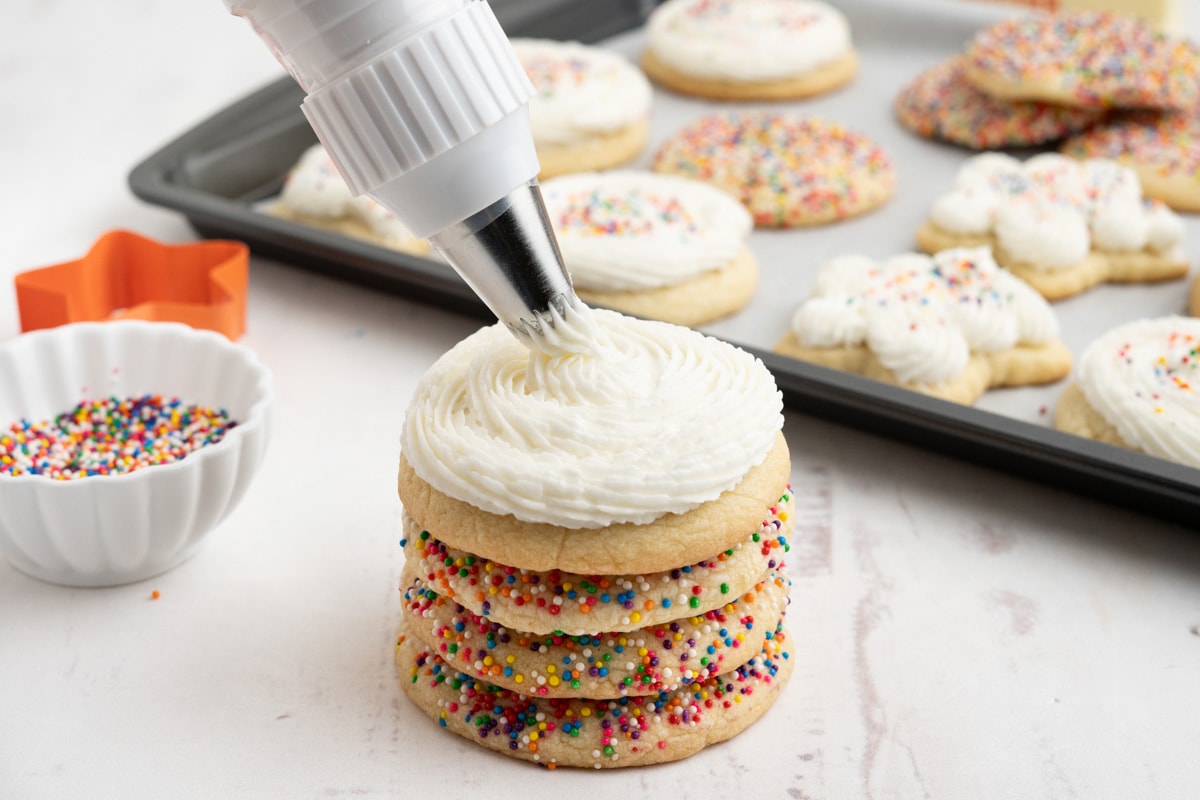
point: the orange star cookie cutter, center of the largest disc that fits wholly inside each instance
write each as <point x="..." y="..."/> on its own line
<point x="129" y="276"/>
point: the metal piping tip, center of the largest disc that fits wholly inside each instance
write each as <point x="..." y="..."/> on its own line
<point x="508" y="255"/>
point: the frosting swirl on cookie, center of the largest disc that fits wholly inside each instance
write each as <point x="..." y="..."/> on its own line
<point x="582" y="91"/>
<point x="315" y="188"/>
<point x="923" y="316"/>
<point x="657" y="419"/>
<point x="1050" y="211"/>
<point x="627" y="230"/>
<point x="1142" y="377"/>
<point x="747" y="40"/>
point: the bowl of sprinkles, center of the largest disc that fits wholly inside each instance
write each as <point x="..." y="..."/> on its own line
<point x="122" y="444"/>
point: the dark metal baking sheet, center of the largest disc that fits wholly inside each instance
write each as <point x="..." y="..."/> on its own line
<point x="216" y="173"/>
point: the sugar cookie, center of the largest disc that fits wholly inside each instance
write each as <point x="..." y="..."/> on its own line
<point x="656" y="246"/>
<point x="748" y="49"/>
<point x="1088" y="59"/>
<point x="788" y="171"/>
<point x="542" y="602"/>
<point x="1163" y="149"/>
<point x="562" y="732"/>
<point x="1136" y="388"/>
<point x="314" y="193"/>
<point x="650" y="660"/>
<point x="1061" y="225"/>
<point x="952" y="325"/>
<point x="941" y="104"/>
<point x="592" y="107"/>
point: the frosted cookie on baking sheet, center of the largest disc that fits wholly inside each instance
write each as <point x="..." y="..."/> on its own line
<point x="748" y="49"/>
<point x="952" y="325"/>
<point x="787" y="170"/>
<point x="591" y="109"/>
<point x="656" y="246"/>
<point x="1136" y="388"/>
<point x="1088" y="59"/>
<point x="1060" y="224"/>
<point x="942" y="104"/>
<point x="1163" y="149"/>
<point x="314" y="193"/>
<point x="594" y="733"/>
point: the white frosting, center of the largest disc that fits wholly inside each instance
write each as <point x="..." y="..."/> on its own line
<point x="658" y="420"/>
<point x="315" y="188"/>
<point x="1050" y="211"/>
<point x="628" y="230"/>
<point x="747" y="40"/>
<point x="1142" y="378"/>
<point x="582" y="91"/>
<point x="923" y="316"/>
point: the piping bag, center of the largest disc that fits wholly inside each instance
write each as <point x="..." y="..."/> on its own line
<point x="423" y="106"/>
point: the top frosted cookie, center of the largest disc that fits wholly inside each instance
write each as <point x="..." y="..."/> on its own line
<point x="1087" y="59"/>
<point x="768" y="49"/>
<point x="657" y="419"/>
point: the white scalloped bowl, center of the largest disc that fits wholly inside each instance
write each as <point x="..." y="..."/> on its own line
<point x="106" y="530"/>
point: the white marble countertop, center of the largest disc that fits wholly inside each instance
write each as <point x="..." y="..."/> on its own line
<point x="959" y="633"/>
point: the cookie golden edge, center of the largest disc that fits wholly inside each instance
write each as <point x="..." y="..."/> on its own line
<point x="664" y="738"/>
<point x="671" y="541"/>
<point x="1074" y="414"/>
<point x="350" y="227"/>
<point x="1097" y="268"/>
<point x="593" y="154"/>
<point x="1024" y="365"/>
<point x="820" y="80"/>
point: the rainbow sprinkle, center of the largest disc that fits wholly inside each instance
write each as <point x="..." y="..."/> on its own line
<point x="1165" y="144"/>
<point x="787" y="171"/>
<point x="636" y="212"/>
<point x="110" y="436"/>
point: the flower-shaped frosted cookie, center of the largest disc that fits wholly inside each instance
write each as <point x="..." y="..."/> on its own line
<point x="1060" y="224"/>
<point x="657" y="246"/>
<point x="1087" y="59"/>
<point x="1136" y="387"/>
<point x="749" y="49"/>
<point x="314" y="193"/>
<point x="950" y="325"/>
<point x="592" y="107"/>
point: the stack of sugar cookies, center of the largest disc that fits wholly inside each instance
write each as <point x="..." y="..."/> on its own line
<point x="594" y="535"/>
<point x="1036" y="79"/>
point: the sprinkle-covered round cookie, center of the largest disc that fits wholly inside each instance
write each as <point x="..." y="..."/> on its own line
<point x="1137" y="387"/>
<point x="1088" y="59"/>
<point x="658" y="658"/>
<point x="622" y="732"/>
<point x="554" y="600"/>
<point x="788" y="171"/>
<point x="941" y="103"/>
<point x="1163" y="149"/>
